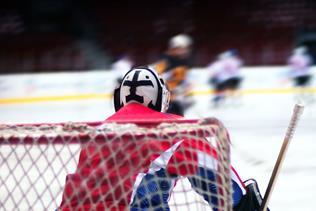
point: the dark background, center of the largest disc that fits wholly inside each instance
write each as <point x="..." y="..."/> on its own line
<point x="58" y="35"/>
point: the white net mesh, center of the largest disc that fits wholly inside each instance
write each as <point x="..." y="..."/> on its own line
<point x="109" y="166"/>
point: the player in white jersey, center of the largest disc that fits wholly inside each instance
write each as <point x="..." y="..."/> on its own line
<point x="121" y="66"/>
<point x="225" y="76"/>
<point x="299" y="64"/>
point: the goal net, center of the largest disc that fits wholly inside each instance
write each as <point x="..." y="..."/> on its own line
<point x="116" y="166"/>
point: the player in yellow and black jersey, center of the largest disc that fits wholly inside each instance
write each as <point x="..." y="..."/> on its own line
<point x="174" y="66"/>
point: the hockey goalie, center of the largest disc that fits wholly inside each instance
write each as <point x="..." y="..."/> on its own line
<point x="128" y="175"/>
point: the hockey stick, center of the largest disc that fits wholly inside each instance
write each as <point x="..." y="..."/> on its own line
<point x="298" y="109"/>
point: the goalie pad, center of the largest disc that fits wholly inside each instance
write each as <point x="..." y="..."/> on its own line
<point x="252" y="200"/>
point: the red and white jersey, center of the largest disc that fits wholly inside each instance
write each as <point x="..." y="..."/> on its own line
<point x="112" y="175"/>
<point x="299" y="65"/>
<point x="226" y="68"/>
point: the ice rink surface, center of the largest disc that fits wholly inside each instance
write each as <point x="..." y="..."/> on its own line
<point x="257" y="128"/>
<point x="257" y="124"/>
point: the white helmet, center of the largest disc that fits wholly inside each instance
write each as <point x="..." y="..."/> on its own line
<point x="180" y="41"/>
<point x="227" y="54"/>
<point x="300" y="50"/>
<point x="142" y="85"/>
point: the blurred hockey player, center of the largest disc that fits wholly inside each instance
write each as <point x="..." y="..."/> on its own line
<point x="132" y="175"/>
<point x="121" y="66"/>
<point x="299" y="64"/>
<point x="225" y="77"/>
<point x="174" y="66"/>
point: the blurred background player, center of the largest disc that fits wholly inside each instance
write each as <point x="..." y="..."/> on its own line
<point x="174" y="66"/>
<point x="145" y="173"/>
<point x="299" y="64"/>
<point x="225" y="77"/>
<point x="120" y="66"/>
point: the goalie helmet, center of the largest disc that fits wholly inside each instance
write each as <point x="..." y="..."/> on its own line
<point x="144" y="86"/>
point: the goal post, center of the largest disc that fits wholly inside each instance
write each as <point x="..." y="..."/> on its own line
<point x="36" y="159"/>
